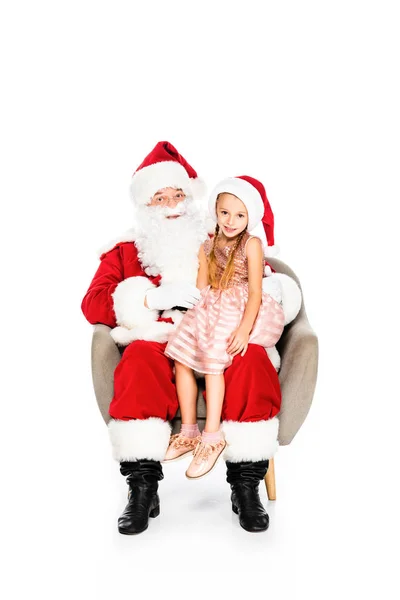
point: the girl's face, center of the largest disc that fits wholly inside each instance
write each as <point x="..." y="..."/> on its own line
<point x="232" y="215"/>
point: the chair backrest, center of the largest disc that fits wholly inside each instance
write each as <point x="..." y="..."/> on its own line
<point x="298" y="348"/>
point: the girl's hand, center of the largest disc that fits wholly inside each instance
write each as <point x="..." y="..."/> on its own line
<point x="238" y="341"/>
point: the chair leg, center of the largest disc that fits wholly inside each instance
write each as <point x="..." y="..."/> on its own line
<point x="270" y="480"/>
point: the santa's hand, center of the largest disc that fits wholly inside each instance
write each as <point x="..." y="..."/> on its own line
<point x="172" y="294"/>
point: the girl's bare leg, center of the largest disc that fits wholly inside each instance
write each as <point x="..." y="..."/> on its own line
<point x="215" y="386"/>
<point x="186" y="388"/>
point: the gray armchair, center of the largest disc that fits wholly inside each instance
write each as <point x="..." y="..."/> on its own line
<point x="298" y="348"/>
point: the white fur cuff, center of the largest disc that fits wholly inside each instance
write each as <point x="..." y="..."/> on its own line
<point x="159" y="331"/>
<point x="253" y="441"/>
<point x="139" y="438"/>
<point x="129" y="305"/>
<point x="274" y="357"/>
<point x="291" y="296"/>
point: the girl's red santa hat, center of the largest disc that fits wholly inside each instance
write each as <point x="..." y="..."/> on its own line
<point x="253" y="195"/>
<point x="164" y="167"/>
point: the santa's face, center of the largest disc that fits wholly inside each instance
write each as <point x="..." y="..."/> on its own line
<point x="169" y="231"/>
<point x="169" y="199"/>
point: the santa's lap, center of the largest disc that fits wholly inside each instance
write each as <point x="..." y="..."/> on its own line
<point x="144" y="385"/>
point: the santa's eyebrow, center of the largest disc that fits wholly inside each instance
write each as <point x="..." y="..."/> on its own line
<point x="160" y="193"/>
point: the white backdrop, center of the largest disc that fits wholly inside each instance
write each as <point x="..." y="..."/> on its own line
<point x="305" y="97"/>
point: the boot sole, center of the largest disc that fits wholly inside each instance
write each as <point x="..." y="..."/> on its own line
<point x="236" y="511"/>
<point x="152" y="514"/>
<point x="165" y="462"/>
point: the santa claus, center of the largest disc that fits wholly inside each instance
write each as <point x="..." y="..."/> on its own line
<point x="144" y="282"/>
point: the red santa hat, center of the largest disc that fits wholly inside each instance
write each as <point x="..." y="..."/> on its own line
<point x="253" y="195"/>
<point x="164" y="167"/>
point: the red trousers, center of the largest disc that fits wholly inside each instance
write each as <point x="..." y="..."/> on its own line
<point x="144" y="385"/>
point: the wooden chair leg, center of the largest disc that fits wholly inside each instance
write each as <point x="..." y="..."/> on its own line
<point x="270" y="480"/>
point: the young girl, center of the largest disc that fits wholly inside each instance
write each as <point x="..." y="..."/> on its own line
<point x="233" y="311"/>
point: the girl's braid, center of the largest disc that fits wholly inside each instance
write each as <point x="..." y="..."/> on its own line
<point x="230" y="266"/>
<point x="212" y="261"/>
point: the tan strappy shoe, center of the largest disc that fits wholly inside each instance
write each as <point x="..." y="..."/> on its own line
<point x="180" y="446"/>
<point x="204" y="459"/>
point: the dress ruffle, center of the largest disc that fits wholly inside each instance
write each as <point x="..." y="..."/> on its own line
<point x="201" y="339"/>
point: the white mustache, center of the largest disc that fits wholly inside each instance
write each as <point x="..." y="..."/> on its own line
<point x="187" y="209"/>
<point x="174" y="212"/>
<point x="165" y="211"/>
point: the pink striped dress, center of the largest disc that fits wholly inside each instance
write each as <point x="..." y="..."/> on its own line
<point x="200" y="340"/>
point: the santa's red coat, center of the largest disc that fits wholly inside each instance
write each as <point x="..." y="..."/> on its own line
<point x="116" y="265"/>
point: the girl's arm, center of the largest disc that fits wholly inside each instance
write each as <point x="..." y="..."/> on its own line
<point x="202" y="274"/>
<point x="255" y="261"/>
<point x="239" y="339"/>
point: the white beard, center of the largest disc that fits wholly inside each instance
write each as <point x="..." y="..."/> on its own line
<point x="170" y="247"/>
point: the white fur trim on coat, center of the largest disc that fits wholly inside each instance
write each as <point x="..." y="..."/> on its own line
<point x="148" y="180"/>
<point x="159" y="331"/>
<point x="139" y="438"/>
<point x="291" y="296"/>
<point x="253" y="441"/>
<point x="272" y="286"/>
<point x="127" y="236"/>
<point x="175" y="315"/>
<point x="274" y="357"/>
<point x="129" y="307"/>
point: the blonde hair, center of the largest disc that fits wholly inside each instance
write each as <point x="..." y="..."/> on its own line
<point x="229" y="271"/>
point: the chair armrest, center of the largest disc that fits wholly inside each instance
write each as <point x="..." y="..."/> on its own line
<point x="298" y="375"/>
<point x="105" y="357"/>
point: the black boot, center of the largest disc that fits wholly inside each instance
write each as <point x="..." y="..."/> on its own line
<point x="244" y="478"/>
<point x="143" y="501"/>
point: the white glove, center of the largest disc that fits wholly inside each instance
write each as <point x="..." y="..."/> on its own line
<point x="172" y="294"/>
